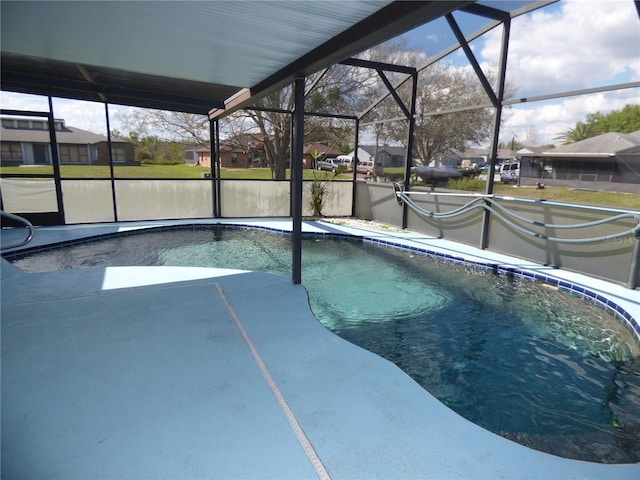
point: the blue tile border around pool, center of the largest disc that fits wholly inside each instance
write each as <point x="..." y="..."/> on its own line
<point x="617" y="311"/>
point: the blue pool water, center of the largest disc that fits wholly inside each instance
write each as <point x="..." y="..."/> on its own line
<point x="521" y="359"/>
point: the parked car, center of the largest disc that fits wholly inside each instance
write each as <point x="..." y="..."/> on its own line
<point x="365" y="166"/>
<point x="345" y="160"/>
<point x="509" y="172"/>
<point x="332" y="164"/>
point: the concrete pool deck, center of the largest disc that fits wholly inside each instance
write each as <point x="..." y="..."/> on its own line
<point x="169" y="372"/>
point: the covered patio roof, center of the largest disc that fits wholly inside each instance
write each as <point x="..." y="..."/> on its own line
<point x="193" y="56"/>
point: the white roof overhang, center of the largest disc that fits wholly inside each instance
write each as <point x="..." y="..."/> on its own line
<point x="191" y="56"/>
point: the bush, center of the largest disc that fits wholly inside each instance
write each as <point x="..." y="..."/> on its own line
<point x="466" y="183"/>
<point x="318" y="193"/>
<point x="162" y="161"/>
<point x="393" y="176"/>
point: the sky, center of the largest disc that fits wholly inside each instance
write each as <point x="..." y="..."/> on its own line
<point x="567" y="46"/>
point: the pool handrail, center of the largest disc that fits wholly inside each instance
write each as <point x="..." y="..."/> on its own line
<point x="497" y="210"/>
<point x="521" y="200"/>
<point x="22" y="220"/>
<point x="486" y="203"/>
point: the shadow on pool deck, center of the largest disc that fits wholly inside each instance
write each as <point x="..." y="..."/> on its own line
<point x="166" y="372"/>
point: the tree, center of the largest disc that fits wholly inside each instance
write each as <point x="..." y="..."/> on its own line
<point x="443" y="87"/>
<point x="514" y="144"/>
<point x="154" y="150"/>
<point x="177" y="126"/>
<point x="530" y="138"/>
<point x="387" y="119"/>
<point x="336" y="91"/>
<point x="581" y="131"/>
<point x="626" y="120"/>
<point x="274" y="128"/>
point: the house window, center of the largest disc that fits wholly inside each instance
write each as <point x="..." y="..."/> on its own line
<point x="118" y="153"/>
<point x="234" y="157"/>
<point x="23" y="124"/>
<point x="7" y="123"/>
<point x="11" y="151"/>
<point x="37" y="125"/>
<point x="74" y="154"/>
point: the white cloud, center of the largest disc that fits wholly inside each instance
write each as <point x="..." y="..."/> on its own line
<point x="572" y="45"/>
<point x="551" y="118"/>
<point x="579" y="45"/>
<point x="76" y="113"/>
<point x="432" y="37"/>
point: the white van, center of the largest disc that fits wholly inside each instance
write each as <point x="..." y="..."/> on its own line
<point x="332" y="164"/>
<point x="365" y="166"/>
<point x="344" y="160"/>
<point x="509" y="172"/>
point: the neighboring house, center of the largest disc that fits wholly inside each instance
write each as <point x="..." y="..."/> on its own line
<point x="474" y="156"/>
<point x="392" y="156"/>
<point x="610" y="161"/>
<point x="203" y="157"/>
<point x="243" y="151"/>
<point x="191" y="155"/>
<point x="311" y="149"/>
<point x="386" y="156"/>
<point x="26" y="142"/>
<point x="478" y="157"/>
<point x="525" y="152"/>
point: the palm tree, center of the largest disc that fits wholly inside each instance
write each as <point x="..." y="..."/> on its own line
<point x="581" y="131"/>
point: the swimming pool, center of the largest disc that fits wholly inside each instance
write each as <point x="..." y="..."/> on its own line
<point x="503" y="353"/>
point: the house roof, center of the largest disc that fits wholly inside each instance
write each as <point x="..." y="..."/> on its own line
<point x="320" y="148"/>
<point x="68" y="135"/>
<point x="474" y="153"/>
<point x="484" y="152"/>
<point x="190" y="56"/>
<point x="528" y="151"/>
<point x="605" y="145"/>
<point x="390" y="149"/>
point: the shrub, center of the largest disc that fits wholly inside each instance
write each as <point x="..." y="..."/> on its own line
<point x="466" y="183"/>
<point x="317" y="196"/>
<point x="162" y="161"/>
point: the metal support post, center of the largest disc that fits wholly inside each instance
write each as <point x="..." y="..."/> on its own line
<point x="635" y="266"/>
<point x="410" y="132"/>
<point x="354" y="164"/>
<point x="486" y="219"/>
<point x="213" y="153"/>
<point x="55" y="161"/>
<point x="297" y="144"/>
<point x="112" y="174"/>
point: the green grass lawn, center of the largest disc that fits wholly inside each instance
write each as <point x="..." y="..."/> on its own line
<point x="612" y="199"/>
<point x="560" y="194"/>
<point x="583" y="197"/>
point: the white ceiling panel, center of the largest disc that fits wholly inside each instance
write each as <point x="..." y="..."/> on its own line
<point x="189" y="55"/>
<point x="227" y="42"/>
